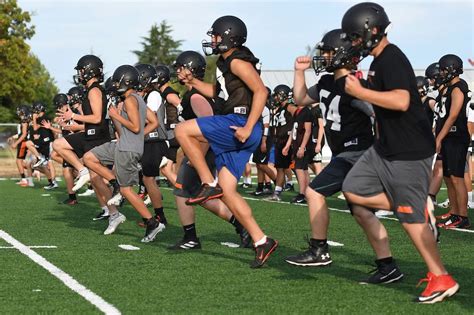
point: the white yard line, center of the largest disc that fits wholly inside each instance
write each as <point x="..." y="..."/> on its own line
<point x="34" y="246"/>
<point x="65" y="278"/>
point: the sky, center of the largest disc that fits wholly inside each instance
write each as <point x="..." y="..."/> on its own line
<point x="278" y="31"/>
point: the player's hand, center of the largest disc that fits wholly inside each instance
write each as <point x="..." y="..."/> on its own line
<point x="65" y="115"/>
<point x="317" y="149"/>
<point x="300" y="153"/>
<point x="113" y="112"/>
<point x="46" y="124"/>
<point x="185" y="76"/>
<point x="302" y="63"/>
<point x="353" y="86"/>
<point x="438" y="145"/>
<point x="241" y="133"/>
<point x="263" y="146"/>
<point x="285" y="150"/>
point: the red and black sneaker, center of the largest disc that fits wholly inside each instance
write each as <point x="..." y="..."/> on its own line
<point x="206" y="193"/>
<point x="458" y="222"/>
<point x="443" y="216"/>
<point x="438" y="288"/>
<point x="262" y="252"/>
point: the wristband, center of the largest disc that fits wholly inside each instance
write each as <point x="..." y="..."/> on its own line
<point x="265" y="131"/>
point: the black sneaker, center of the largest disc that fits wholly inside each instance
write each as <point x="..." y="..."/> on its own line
<point x="267" y="190"/>
<point x="257" y="192"/>
<point x="153" y="227"/>
<point x="314" y="256"/>
<point x="186" y="245"/>
<point x="101" y="216"/>
<point x="299" y="199"/>
<point x="245" y="239"/>
<point x="262" y="252"/>
<point x="384" y="273"/>
<point x="206" y="193"/>
<point x="289" y="187"/>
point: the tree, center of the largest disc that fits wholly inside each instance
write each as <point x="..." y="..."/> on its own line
<point x="23" y="78"/>
<point x="159" y="47"/>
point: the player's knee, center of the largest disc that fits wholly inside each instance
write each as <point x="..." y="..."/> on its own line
<point x="58" y="144"/>
<point x="88" y="158"/>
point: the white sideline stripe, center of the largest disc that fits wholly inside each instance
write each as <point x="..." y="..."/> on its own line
<point x="34" y="246"/>
<point x="69" y="281"/>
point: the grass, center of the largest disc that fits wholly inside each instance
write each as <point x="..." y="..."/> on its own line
<point x="214" y="280"/>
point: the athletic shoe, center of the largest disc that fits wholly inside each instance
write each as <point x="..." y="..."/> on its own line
<point x="245" y="239"/>
<point x="299" y="199"/>
<point x="274" y="197"/>
<point x="444" y="204"/>
<point x="186" y="245"/>
<point x="257" y="192"/>
<point x="23" y="183"/>
<point x="53" y="185"/>
<point x="263" y="252"/>
<point x="457" y="222"/>
<point x="70" y="202"/>
<point x="314" y="256"/>
<point x="245" y="185"/>
<point x="114" y="221"/>
<point x="153" y="227"/>
<point x="101" y="216"/>
<point x="437" y="289"/>
<point x="470" y="204"/>
<point x="82" y="179"/>
<point x="23" y="180"/>
<point x="444" y="216"/>
<point x="147" y="200"/>
<point x="88" y="192"/>
<point x="289" y="187"/>
<point x="384" y="273"/>
<point x="117" y="198"/>
<point x="267" y="190"/>
<point x="41" y="162"/>
<point x="206" y="193"/>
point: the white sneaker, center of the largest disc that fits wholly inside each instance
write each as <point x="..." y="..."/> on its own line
<point x="83" y="178"/>
<point x="87" y="193"/>
<point x="41" y="162"/>
<point x="163" y="163"/>
<point x="444" y="204"/>
<point x="114" y="221"/>
<point x="470" y="204"/>
<point x="116" y="200"/>
<point x="150" y="234"/>
<point x="22" y="181"/>
<point x="274" y="197"/>
<point x="30" y="182"/>
<point x="147" y="201"/>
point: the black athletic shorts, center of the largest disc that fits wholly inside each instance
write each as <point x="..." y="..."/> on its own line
<point x="282" y="161"/>
<point x="330" y="180"/>
<point x="21" y="150"/>
<point x="188" y="182"/>
<point x="302" y="163"/>
<point x="81" y="145"/>
<point x="259" y="157"/>
<point x="172" y="150"/>
<point x="153" y="153"/>
<point x="454" y="157"/>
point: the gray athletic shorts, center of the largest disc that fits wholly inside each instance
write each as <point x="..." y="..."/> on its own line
<point x="126" y="163"/>
<point x="188" y="182"/>
<point x="405" y="183"/>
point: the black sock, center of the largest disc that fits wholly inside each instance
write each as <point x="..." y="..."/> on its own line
<point x="190" y="232"/>
<point x="268" y="185"/>
<point x="260" y="186"/>
<point x="433" y="197"/>
<point x="113" y="182"/>
<point x="236" y="223"/>
<point x="145" y="220"/>
<point x="50" y="181"/>
<point x="385" y="261"/>
<point x="22" y="175"/>
<point x="72" y="196"/>
<point x="90" y="187"/>
<point x="318" y="243"/>
<point x="161" y="214"/>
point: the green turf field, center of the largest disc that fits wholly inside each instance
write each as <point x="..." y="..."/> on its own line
<point x="214" y="280"/>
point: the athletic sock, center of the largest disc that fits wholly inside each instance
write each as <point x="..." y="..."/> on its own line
<point x="50" y="181"/>
<point x="22" y="175"/>
<point x="262" y="241"/>
<point x="113" y="182"/>
<point x="317" y="243"/>
<point x="236" y="223"/>
<point x="386" y="260"/>
<point x="161" y="215"/>
<point x="433" y="198"/>
<point x="106" y="210"/>
<point x="72" y="196"/>
<point x="278" y="189"/>
<point x="260" y="186"/>
<point x="190" y="232"/>
<point x="248" y="180"/>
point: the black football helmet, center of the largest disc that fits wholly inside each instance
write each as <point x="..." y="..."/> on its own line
<point x="193" y="61"/>
<point x="60" y="100"/>
<point x="125" y="77"/>
<point x="163" y="75"/>
<point x="88" y="67"/>
<point x="450" y="66"/>
<point x="231" y="30"/>
<point x="337" y="48"/>
<point x="281" y="93"/>
<point x="38" y="107"/>
<point x="358" y="23"/>
<point x="76" y="95"/>
<point x="433" y="74"/>
<point x="423" y="84"/>
<point x="147" y="76"/>
<point x="23" y="111"/>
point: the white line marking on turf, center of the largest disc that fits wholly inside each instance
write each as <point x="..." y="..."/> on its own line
<point x="230" y="244"/>
<point x="332" y="243"/>
<point x="34" y="246"/>
<point x="128" y="247"/>
<point x="45" y="195"/>
<point x="65" y="278"/>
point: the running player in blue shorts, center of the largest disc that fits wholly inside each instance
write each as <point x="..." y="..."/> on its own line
<point x="235" y="132"/>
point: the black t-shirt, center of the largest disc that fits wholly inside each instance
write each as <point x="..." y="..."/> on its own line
<point x="316" y="113"/>
<point x="171" y="111"/>
<point x="347" y="127"/>
<point x="458" y="131"/>
<point x="302" y="116"/>
<point x="281" y="122"/>
<point x="45" y="135"/>
<point x="402" y="135"/>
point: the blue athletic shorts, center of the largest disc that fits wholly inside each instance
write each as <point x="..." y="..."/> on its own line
<point x="271" y="159"/>
<point x="228" y="150"/>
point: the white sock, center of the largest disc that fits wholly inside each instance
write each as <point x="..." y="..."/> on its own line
<point x="84" y="171"/>
<point x="278" y="189"/>
<point x="214" y="183"/>
<point x="106" y="210"/>
<point x="248" y="180"/>
<point x="30" y="180"/>
<point x="469" y="196"/>
<point x="261" y="241"/>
